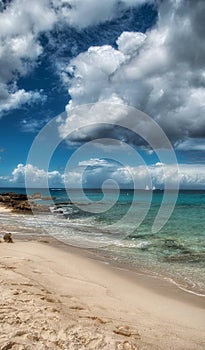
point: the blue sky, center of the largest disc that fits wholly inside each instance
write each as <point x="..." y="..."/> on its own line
<point x="58" y="55"/>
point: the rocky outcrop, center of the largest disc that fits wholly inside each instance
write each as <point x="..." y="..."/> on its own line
<point x="38" y="195"/>
<point x="20" y="203"/>
<point x="8" y="238"/>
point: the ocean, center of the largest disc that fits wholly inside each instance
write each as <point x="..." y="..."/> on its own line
<point x="119" y="227"/>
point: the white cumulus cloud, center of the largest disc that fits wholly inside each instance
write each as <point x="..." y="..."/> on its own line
<point x="17" y="98"/>
<point x="22" y="23"/>
<point x="161" y="73"/>
<point x="35" y="177"/>
<point x="98" y="170"/>
<point x="20" y="26"/>
<point x="153" y="176"/>
<point x="189" y="176"/>
<point x="84" y="13"/>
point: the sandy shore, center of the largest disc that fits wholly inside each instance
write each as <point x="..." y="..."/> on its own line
<point x="3" y="209"/>
<point x="54" y="299"/>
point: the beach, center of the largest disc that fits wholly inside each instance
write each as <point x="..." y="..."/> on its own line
<point x="102" y="175"/>
<point x="4" y="209"/>
<point x="54" y="298"/>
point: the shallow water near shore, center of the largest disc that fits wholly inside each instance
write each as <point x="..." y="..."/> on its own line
<point x="176" y="252"/>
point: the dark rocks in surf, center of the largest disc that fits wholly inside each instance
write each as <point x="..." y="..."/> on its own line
<point x="8" y="238"/>
<point x="7" y="196"/>
<point x="173" y="244"/>
<point x="38" y="195"/>
<point x="190" y="257"/>
<point x="19" y="203"/>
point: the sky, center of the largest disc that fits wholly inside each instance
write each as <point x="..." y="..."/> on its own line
<point x="95" y="90"/>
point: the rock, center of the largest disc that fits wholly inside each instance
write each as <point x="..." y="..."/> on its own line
<point x="15" y="201"/>
<point x="126" y="331"/>
<point x="36" y="195"/>
<point x="8" y="238"/>
<point x="6" y="196"/>
<point x="19" y="203"/>
<point x="126" y="346"/>
<point x="5" y="199"/>
<point x="20" y="332"/>
<point x="8" y="346"/>
<point x="181" y="258"/>
<point x="123" y="330"/>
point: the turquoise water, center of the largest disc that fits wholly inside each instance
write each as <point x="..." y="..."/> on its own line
<point x="176" y="252"/>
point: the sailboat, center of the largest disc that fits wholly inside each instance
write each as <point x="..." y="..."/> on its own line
<point x="147" y="188"/>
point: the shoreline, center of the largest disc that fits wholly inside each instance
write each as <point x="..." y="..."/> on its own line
<point x="4" y="209"/>
<point x="91" y="290"/>
<point x="148" y="275"/>
<point x="167" y="257"/>
<point x="97" y="255"/>
<point x="146" y="279"/>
